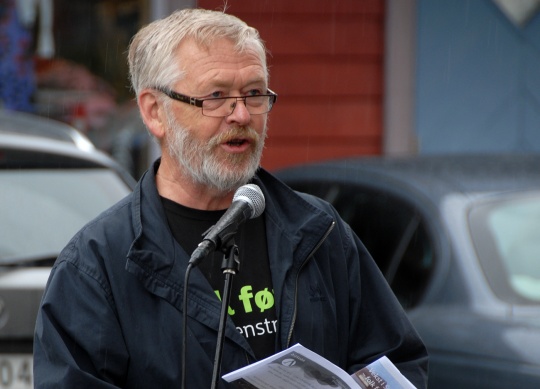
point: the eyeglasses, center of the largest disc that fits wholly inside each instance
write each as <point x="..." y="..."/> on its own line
<point x="224" y="106"/>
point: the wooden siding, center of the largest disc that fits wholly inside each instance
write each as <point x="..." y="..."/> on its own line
<point x="326" y="64"/>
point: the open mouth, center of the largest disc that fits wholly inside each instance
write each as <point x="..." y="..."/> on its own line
<point x="237" y="142"/>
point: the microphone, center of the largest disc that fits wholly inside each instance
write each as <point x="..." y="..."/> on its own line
<point x="248" y="203"/>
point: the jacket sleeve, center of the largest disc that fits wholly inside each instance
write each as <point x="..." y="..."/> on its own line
<point x="64" y="356"/>
<point x="379" y="325"/>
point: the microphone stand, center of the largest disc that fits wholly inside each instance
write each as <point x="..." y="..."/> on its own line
<point x="230" y="266"/>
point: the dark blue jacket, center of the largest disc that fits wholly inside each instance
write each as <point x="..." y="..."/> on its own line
<point x="111" y="314"/>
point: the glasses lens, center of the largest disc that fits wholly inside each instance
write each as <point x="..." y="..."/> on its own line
<point x="258" y="104"/>
<point x="218" y="107"/>
<point x="222" y="107"/>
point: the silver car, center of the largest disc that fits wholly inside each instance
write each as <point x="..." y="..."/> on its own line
<point x="52" y="182"/>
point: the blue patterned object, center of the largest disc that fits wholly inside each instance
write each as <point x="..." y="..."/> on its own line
<point x="17" y="77"/>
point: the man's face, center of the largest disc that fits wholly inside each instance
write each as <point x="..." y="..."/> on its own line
<point x="223" y="153"/>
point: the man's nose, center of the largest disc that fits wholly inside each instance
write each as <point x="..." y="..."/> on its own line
<point x="240" y="113"/>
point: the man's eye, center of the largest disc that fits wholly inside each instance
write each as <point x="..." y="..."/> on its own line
<point x="255" y="92"/>
<point x="216" y="94"/>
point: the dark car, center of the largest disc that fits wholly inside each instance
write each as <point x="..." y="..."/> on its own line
<point x="458" y="239"/>
<point x="52" y="181"/>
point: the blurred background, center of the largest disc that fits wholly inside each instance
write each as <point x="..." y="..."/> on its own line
<point x="354" y="77"/>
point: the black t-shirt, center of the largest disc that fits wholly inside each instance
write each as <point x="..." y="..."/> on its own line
<point x="252" y="307"/>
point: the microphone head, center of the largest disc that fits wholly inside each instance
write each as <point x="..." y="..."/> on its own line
<point x="253" y="196"/>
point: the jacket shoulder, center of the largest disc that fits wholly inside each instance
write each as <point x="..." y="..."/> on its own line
<point x="107" y="231"/>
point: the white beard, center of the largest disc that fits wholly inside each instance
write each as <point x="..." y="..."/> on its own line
<point x="202" y="162"/>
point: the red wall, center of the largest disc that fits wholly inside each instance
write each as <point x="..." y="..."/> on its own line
<point x="326" y="65"/>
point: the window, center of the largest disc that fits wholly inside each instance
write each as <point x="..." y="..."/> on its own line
<point x="506" y="234"/>
<point x="50" y="205"/>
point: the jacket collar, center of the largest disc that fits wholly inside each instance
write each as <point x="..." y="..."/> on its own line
<point x="292" y="215"/>
<point x="292" y="223"/>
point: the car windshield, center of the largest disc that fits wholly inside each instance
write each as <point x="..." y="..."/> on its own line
<point x="42" y="209"/>
<point x="506" y="234"/>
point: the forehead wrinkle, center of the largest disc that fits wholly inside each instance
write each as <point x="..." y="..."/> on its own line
<point x="227" y="78"/>
<point x="215" y="66"/>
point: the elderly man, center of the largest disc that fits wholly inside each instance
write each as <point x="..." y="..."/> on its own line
<point x="111" y="315"/>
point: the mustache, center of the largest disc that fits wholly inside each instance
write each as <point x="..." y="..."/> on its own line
<point x="246" y="133"/>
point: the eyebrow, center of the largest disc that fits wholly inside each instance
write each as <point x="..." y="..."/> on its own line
<point x="220" y="82"/>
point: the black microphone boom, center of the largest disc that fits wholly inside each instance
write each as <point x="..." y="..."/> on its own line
<point x="248" y="203"/>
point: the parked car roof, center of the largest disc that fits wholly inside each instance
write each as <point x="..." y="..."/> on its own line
<point x="24" y="124"/>
<point x="32" y="141"/>
<point x="432" y="175"/>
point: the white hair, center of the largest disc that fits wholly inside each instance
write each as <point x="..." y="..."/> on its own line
<point x="151" y="55"/>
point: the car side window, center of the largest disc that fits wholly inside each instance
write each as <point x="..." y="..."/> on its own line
<point x="392" y="230"/>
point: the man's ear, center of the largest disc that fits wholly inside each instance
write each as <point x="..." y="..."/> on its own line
<point x="152" y="112"/>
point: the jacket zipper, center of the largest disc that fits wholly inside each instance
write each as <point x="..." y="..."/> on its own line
<point x="311" y="254"/>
